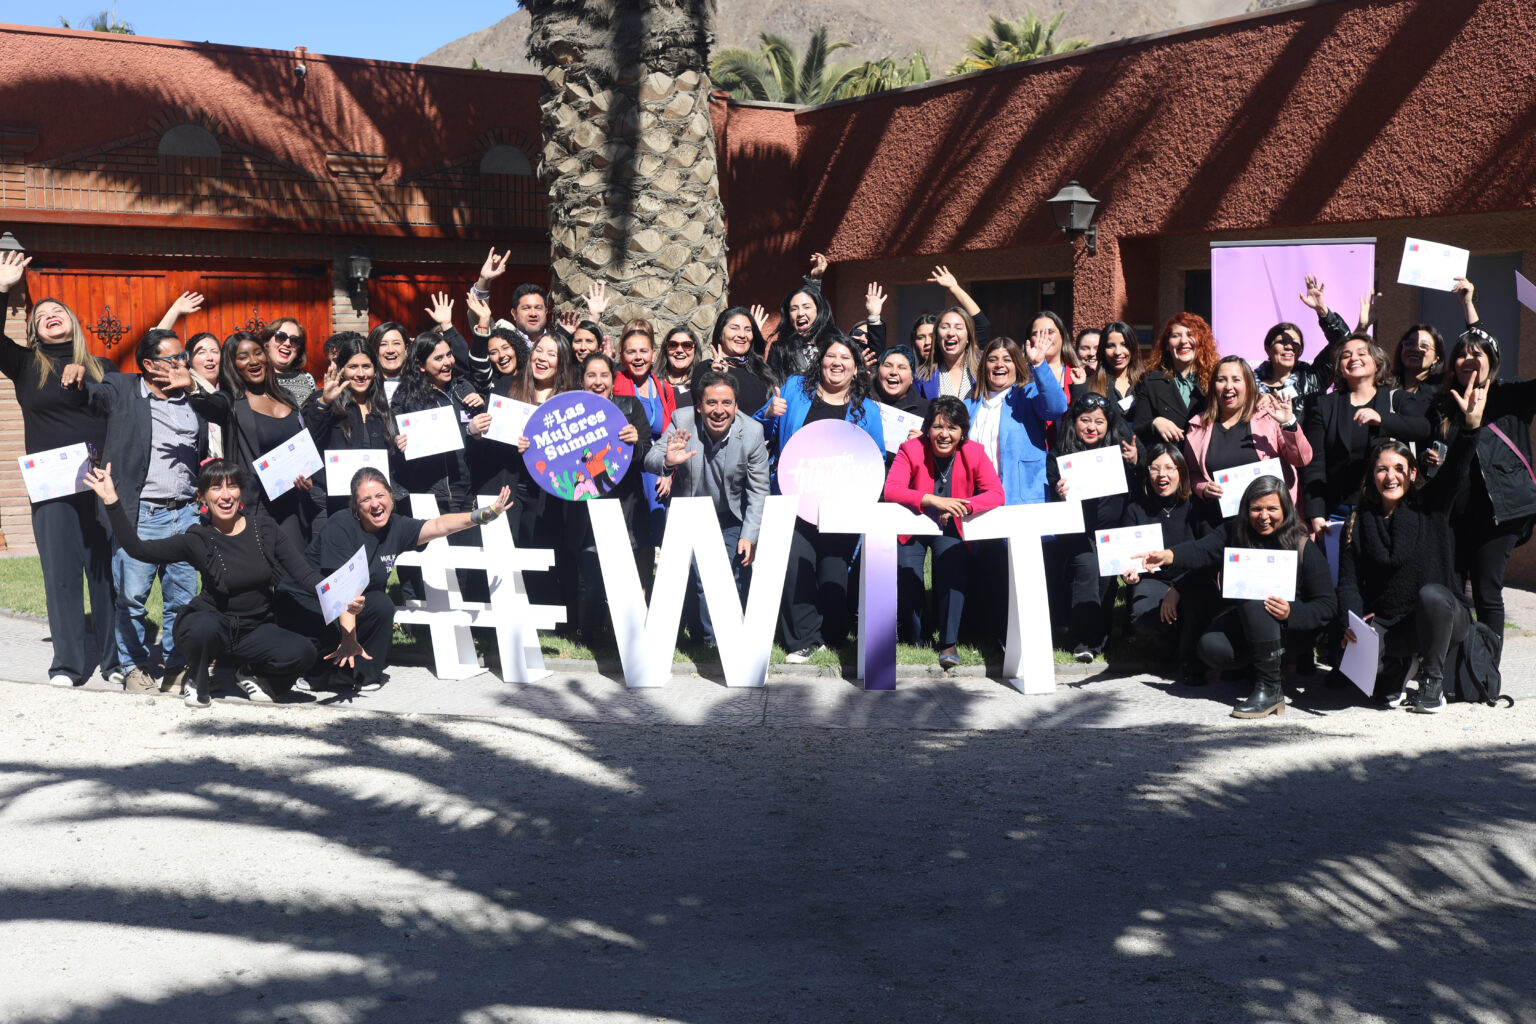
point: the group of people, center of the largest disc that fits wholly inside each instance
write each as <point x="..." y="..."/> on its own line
<point x="1356" y="432"/>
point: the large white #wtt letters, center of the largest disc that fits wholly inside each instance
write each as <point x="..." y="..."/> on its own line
<point x="1028" y="662"/>
<point x="647" y="638"/>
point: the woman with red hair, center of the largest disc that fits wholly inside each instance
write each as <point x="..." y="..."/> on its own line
<point x="1169" y="393"/>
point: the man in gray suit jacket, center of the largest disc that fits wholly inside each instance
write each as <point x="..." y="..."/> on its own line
<point x="716" y="451"/>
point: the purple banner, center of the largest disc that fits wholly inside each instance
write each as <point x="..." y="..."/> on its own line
<point x="574" y="450"/>
<point x="831" y="460"/>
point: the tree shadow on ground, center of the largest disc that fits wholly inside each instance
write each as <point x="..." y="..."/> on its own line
<point x="372" y="868"/>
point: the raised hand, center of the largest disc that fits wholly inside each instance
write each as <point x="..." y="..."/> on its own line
<point x="482" y="310"/>
<point x="1367" y="310"/>
<point x="570" y="320"/>
<point x="187" y="303"/>
<point x="493" y="267"/>
<point x="1313" y="296"/>
<point x="1281" y="410"/>
<point x="1472" y="401"/>
<point x="99" y="480"/>
<point x="874" y="299"/>
<point x="441" y="310"/>
<point x="1034" y="350"/>
<point x="776" y="405"/>
<point x="943" y="278"/>
<point x="819" y="264"/>
<point x="759" y="316"/>
<point x="330" y="385"/>
<point x="677" y="449"/>
<point x="503" y="500"/>
<point x="1464" y="290"/>
<point x="13" y="267"/>
<point x="1128" y="451"/>
<point x="597" y="301"/>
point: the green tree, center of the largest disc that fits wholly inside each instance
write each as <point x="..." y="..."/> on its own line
<point x="102" y="21"/>
<point x="778" y="74"/>
<point x="886" y="73"/>
<point x="1010" y="42"/>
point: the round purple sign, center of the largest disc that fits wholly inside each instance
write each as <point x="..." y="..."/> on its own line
<point x="830" y="460"/>
<point x="574" y="451"/>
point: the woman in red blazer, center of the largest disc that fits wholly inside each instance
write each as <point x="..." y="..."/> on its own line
<point x="639" y="381"/>
<point x="942" y="475"/>
<point x="1238" y="427"/>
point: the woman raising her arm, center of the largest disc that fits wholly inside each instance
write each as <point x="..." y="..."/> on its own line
<point x="239" y="557"/>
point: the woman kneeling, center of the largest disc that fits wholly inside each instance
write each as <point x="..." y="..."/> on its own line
<point x="239" y="557"/>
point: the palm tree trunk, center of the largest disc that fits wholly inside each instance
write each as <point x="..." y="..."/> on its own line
<point x="629" y="155"/>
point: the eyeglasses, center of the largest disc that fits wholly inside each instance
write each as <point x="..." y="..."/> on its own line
<point x="179" y="357"/>
<point x="680" y="346"/>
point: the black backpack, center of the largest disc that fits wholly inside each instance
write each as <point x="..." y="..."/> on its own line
<point x="1474" y="669"/>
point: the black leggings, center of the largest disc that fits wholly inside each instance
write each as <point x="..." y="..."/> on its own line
<point x="1438" y="621"/>
<point x="1229" y="640"/>
<point x="1483" y="548"/>
<point x="1093" y="597"/>
<point x="375" y="630"/>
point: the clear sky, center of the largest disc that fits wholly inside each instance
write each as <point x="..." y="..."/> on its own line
<point x="381" y="29"/>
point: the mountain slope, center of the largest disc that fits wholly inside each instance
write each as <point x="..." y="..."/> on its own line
<point x="891" y="27"/>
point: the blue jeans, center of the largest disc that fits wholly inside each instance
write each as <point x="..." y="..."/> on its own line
<point x="696" y="608"/>
<point x="133" y="580"/>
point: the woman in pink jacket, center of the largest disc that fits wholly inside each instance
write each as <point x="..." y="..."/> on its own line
<point x="1239" y="427"/>
<point x="947" y="478"/>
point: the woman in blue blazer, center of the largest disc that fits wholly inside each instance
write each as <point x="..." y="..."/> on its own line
<point x="815" y="609"/>
<point x="1015" y="400"/>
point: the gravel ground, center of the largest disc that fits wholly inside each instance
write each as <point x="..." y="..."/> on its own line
<point x="263" y="864"/>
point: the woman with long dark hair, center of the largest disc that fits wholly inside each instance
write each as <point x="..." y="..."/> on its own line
<point x="805" y="325"/>
<point x="1092" y="422"/>
<point x="1170" y="391"/>
<point x="1397" y="558"/>
<point x="1252" y="632"/>
<point x="683" y="353"/>
<point x="427" y="382"/>
<point x="1494" y="511"/>
<point x="389" y="347"/>
<point x="240" y="558"/>
<point x="1419" y="363"/>
<point x="72" y="538"/>
<point x="738" y="346"/>
<point x="256" y="416"/>
<point x="815" y="609"/>
<point x="947" y="478"/>
<point x="1050" y="330"/>
<point x="1120" y="364"/>
<point x="349" y="412"/>
<point x="1010" y="408"/>
<point x="1165" y="606"/>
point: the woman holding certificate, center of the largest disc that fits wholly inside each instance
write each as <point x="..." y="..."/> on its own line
<point x="1240" y="427"/>
<point x="349" y="412"/>
<point x="436" y="465"/>
<point x="1092" y="424"/>
<point x="1165" y="606"/>
<point x="72" y="539"/>
<point x="239" y="557"/>
<point x="1252" y="631"/>
<point x="1397" y="567"/>
<point x="257" y="415"/>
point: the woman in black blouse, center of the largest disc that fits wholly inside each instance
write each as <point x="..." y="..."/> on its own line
<point x="239" y="558"/>
<point x="1253" y="631"/>
<point x="349" y="412"/>
<point x="1163" y="604"/>
<point x="72" y="540"/>
<point x="738" y="345"/>
<point x="1170" y="393"/>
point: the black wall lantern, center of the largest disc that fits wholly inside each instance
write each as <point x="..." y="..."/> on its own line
<point x="1073" y="209"/>
<point x="359" y="266"/>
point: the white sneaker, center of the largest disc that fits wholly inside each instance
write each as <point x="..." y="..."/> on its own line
<point x="116" y="678"/>
<point x="61" y="680"/>
<point x="255" y="689"/>
<point x="195" y="697"/>
<point x="804" y="655"/>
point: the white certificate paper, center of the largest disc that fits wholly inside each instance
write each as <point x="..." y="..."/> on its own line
<point x="341" y="465"/>
<point x="430" y="432"/>
<point x="1253" y="574"/>
<point x="1359" y="660"/>
<point x="509" y="418"/>
<point x="293" y="458"/>
<point x="1115" y="547"/>
<point x="55" y="472"/>
<point x="1431" y="264"/>
<point x="897" y="425"/>
<point x="1093" y="474"/>
<point x="1235" y="481"/>
<point x="338" y="589"/>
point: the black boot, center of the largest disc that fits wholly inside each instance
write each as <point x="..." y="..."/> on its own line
<point x="1430" y="698"/>
<point x="1267" y="697"/>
